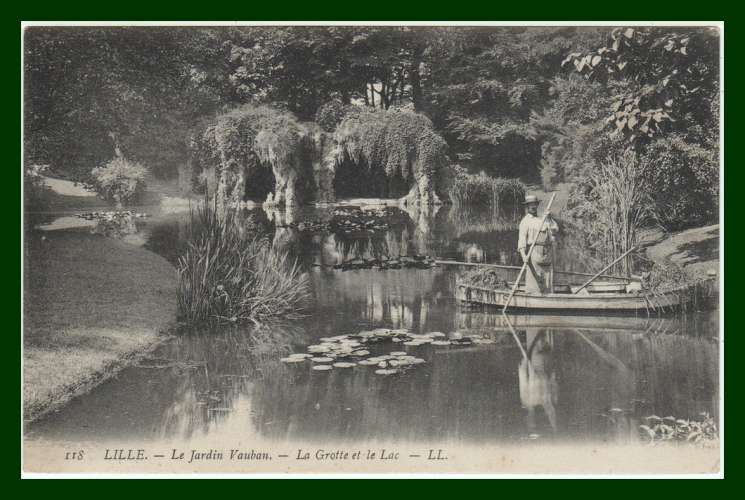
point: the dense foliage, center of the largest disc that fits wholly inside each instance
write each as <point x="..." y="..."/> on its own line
<point x="401" y="142"/>
<point x="684" y="181"/>
<point x="546" y="104"/>
<point x="35" y="189"/>
<point x="662" y="87"/>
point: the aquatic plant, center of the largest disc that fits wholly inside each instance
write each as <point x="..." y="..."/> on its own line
<point x="231" y="273"/>
<point x="119" y="180"/>
<point x="671" y="429"/>
<point x="488" y="277"/>
<point x="482" y="189"/>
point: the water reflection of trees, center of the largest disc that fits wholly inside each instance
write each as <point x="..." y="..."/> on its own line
<point x="406" y="298"/>
<point x="216" y="370"/>
<point x="442" y="232"/>
<point x="582" y="383"/>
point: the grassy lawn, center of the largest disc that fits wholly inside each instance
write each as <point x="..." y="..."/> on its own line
<point x="695" y="250"/>
<point x="91" y="304"/>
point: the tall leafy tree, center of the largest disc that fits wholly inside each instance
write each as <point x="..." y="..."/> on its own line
<point x="94" y="93"/>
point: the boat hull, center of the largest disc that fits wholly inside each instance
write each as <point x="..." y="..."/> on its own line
<point x="575" y="303"/>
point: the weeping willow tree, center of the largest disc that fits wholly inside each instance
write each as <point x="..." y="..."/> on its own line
<point x="245" y="139"/>
<point x="400" y="142"/>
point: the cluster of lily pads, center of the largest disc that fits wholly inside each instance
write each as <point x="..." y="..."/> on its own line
<point x="110" y="215"/>
<point x="349" y="351"/>
<point x="348" y="220"/>
<point x="671" y="429"/>
<point x="385" y="262"/>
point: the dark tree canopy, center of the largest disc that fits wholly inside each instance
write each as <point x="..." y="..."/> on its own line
<point x="539" y="103"/>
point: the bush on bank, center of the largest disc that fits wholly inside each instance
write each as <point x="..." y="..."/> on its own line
<point x="119" y="180"/>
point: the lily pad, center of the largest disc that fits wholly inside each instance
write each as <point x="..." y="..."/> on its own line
<point x="292" y="360"/>
<point x="322" y="360"/>
<point x="344" y="365"/>
<point x="386" y="372"/>
<point x="322" y="368"/>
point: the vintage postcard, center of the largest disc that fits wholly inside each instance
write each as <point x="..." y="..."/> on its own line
<point x="355" y="249"/>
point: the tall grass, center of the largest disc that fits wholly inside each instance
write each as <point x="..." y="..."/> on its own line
<point x="618" y="206"/>
<point x="230" y="273"/>
<point x="481" y="189"/>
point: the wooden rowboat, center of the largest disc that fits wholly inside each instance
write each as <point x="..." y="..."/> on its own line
<point x="598" y="300"/>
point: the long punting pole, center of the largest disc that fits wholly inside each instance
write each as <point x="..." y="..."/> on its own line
<point x="530" y="252"/>
<point x="605" y="269"/>
<point x="515" y="268"/>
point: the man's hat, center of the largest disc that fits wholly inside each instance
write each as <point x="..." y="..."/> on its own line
<point x="531" y="198"/>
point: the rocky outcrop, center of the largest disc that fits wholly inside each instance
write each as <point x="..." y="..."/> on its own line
<point x="422" y="192"/>
<point x="303" y="158"/>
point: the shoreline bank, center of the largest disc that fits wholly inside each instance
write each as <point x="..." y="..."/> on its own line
<point x="695" y="250"/>
<point x="92" y="306"/>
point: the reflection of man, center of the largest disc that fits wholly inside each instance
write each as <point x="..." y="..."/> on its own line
<point x="539" y="272"/>
<point x="537" y="377"/>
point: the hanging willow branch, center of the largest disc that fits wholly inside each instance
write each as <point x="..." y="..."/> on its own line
<point x="401" y="142"/>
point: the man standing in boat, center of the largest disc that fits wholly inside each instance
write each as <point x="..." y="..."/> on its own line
<point x="539" y="271"/>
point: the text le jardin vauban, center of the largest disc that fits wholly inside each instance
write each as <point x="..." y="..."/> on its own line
<point x="321" y="455"/>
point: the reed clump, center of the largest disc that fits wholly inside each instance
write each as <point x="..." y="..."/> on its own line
<point x="482" y="189"/>
<point x="616" y="204"/>
<point x="230" y="273"/>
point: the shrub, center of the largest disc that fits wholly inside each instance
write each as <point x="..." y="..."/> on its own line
<point x="230" y="273"/>
<point x="35" y="189"/>
<point x="685" y="177"/>
<point x="329" y="115"/>
<point x="119" y="180"/>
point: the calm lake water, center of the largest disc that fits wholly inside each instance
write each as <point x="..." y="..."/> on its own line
<point x="589" y="379"/>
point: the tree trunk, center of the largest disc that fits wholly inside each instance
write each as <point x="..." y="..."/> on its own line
<point x="115" y="140"/>
<point x="415" y="80"/>
<point x="402" y="81"/>
<point x="384" y="94"/>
